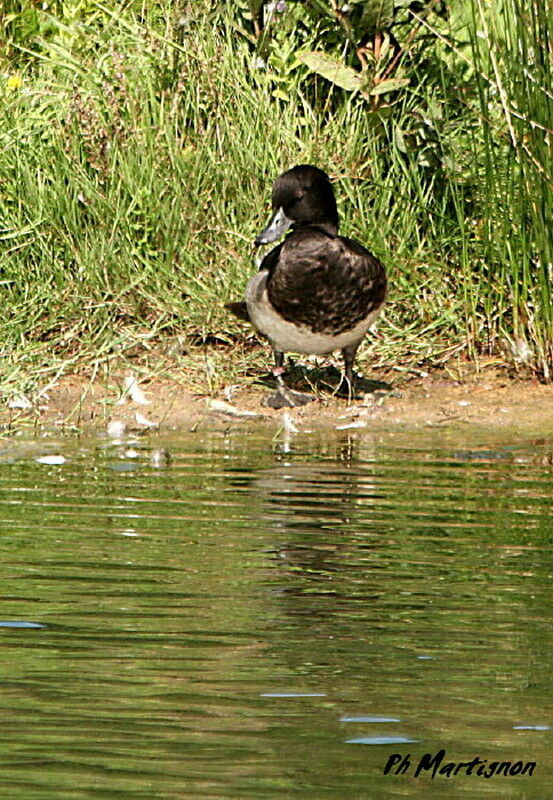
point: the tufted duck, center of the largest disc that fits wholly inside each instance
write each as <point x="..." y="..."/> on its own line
<point x="316" y="291"/>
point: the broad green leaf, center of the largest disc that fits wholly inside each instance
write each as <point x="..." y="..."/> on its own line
<point x="334" y="71"/>
<point x="391" y="85"/>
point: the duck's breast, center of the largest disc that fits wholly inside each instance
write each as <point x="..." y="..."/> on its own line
<point x="328" y="283"/>
<point x="297" y="337"/>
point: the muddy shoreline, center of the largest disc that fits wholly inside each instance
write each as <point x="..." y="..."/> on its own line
<point x="485" y="399"/>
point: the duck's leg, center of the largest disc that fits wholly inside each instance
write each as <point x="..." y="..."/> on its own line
<point x="349" y="354"/>
<point x="347" y="384"/>
<point x="284" y="397"/>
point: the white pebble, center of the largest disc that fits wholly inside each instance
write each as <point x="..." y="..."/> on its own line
<point x="116" y="428"/>
<point x="20" y="402"/>
<point x="232" y="411"/>
<point x="360" y="423"/>
<point x="51" y="460"/>
<point x="144" y="421"/>
<point x="135" y="392"/>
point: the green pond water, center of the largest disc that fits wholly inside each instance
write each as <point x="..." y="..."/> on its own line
<point x="276" y="617"/>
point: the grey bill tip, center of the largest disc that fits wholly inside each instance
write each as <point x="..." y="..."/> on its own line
<point x="278" y="224"/>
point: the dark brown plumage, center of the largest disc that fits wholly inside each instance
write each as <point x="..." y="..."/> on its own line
<point x="324" y="281"/>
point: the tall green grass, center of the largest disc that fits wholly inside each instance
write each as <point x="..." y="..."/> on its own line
<point x="137" y="157"/>
<point x="513" y="58"/>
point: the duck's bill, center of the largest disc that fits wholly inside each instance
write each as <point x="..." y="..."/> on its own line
<point x="278" y="224"/>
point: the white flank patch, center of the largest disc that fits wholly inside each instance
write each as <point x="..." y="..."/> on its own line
<point x="289" y="337"/>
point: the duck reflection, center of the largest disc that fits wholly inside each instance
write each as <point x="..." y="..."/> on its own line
<point x="319" y="510"/>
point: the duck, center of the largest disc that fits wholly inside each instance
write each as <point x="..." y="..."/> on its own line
<point x="316" y="291"/>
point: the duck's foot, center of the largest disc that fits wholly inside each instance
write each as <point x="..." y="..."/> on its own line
<point x="359" y="387"/>
<point x="347" y="389"/>
<point x="288" y="398"/>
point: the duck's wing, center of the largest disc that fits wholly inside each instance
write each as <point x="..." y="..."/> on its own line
<point x="329" y="283"/>
<point x="270" y="261"/>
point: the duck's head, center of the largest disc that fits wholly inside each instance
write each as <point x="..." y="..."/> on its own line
<point x="301" y="196"/>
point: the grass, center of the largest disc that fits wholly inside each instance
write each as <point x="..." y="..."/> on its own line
<point x="137" y="158"/>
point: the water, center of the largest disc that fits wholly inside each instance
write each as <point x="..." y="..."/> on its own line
<point x="259" y="618"/>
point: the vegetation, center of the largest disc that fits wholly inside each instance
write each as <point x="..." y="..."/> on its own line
<point x="140" y="139"/>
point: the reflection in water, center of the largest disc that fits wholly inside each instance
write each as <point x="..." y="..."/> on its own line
<point x="236" y="619"/>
